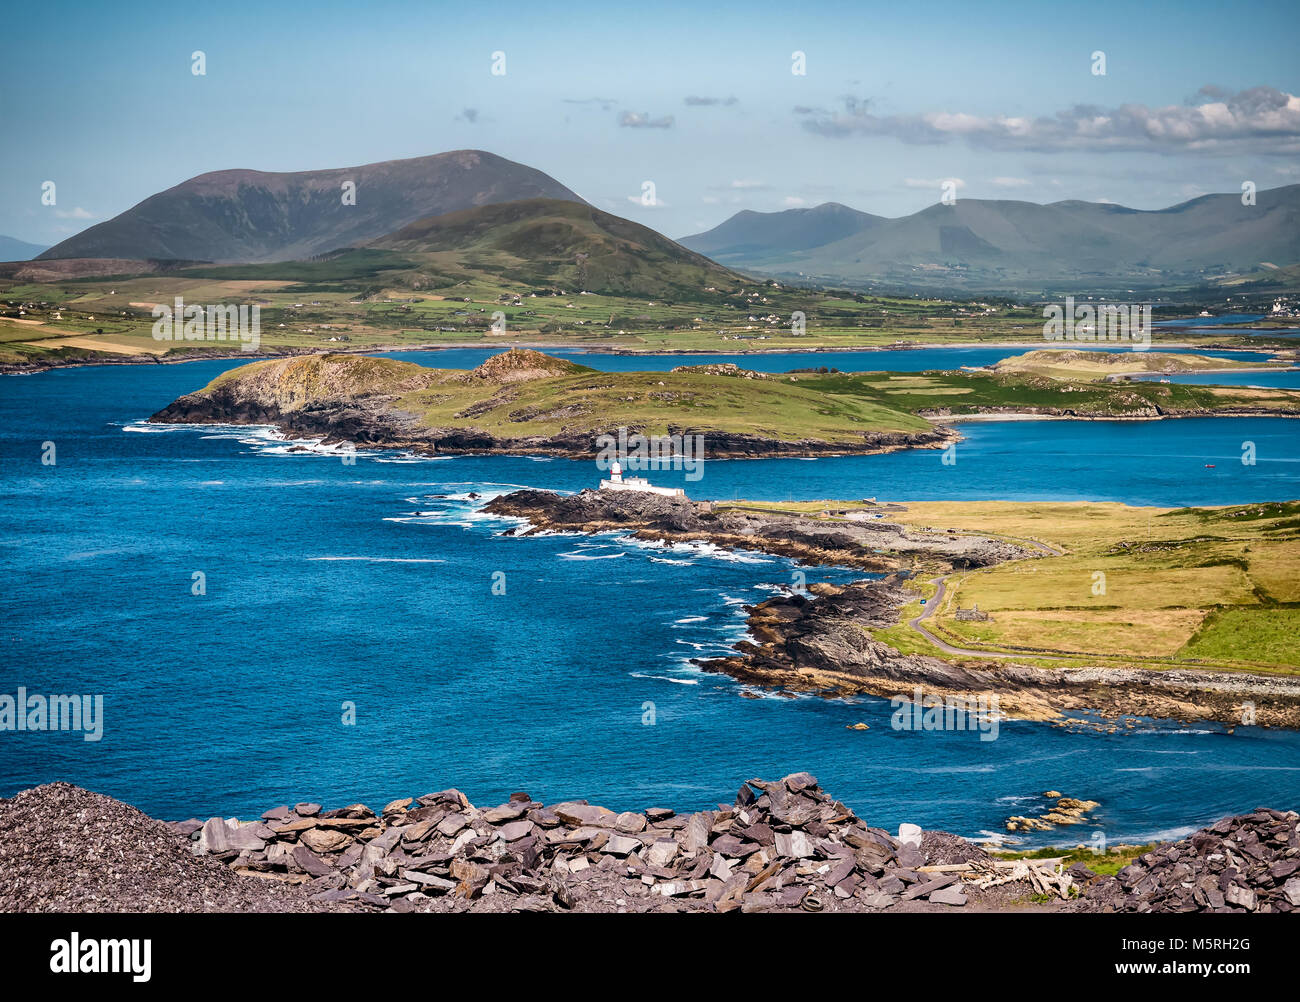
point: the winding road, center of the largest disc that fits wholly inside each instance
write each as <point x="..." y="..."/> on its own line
<point x="941" y="586"/>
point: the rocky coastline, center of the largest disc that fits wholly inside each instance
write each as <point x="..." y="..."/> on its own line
<point x="819" y="641"/>
<point x="780" y="846"/>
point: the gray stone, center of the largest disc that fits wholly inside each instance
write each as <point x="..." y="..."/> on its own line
<point x="452" y="823"/>
<point x="721" y="868"/>
<point x="214" y="836"/>
<point x="661" y="853"/>
<point x="428" y="881"/>
<point x="309" y="862"/>
<point x="948" y="896"/>
<point x="621" y="845"/>
<point x="1242" y="897"/>
<point x="794" y="844"/>
<point x="506" y="812"/>
<point x="582" y="814"/>
<point x="515" y="830"/>
<point x="629" y="823"/>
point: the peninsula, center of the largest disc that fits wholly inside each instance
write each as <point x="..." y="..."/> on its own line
<point x="1193" y="621"/>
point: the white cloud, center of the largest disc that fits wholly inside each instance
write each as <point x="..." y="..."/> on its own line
<point x="1009" y="182"/>
<point x="641" y="120"/>
<point x="77" y="213"/>
<point x="1262" y="119"/>
<point x="793" y="201"/>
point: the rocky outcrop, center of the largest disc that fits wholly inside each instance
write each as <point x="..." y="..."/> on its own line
<point x="868" y="544"/>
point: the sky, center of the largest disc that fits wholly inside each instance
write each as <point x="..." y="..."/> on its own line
<point x="1001" y="99"/>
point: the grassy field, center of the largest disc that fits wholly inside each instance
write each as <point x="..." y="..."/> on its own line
<point x="1204" y="588"/>
<point x="971" y="392"/>
<point x="1184" y="586"/>
<point x="525" y="394"/>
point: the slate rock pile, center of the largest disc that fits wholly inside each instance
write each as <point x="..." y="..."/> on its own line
<point x="782" y="845"/>
<point x="1246" y="863"/>
<point x="65" y="849"/>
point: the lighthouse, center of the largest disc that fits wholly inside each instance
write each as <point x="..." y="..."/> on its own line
<point x="615" y="482"/>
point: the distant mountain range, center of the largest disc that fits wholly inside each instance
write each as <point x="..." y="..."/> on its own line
<point x="253" y="216"/>
<point x="13" y="249"/>
<point x="457" y="202"/>
<point x="1016" y="246"/>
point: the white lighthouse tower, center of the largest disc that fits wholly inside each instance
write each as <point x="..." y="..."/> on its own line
<point x="615" y="482"/>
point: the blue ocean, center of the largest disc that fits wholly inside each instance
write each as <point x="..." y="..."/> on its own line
<point x="331" y="590"/>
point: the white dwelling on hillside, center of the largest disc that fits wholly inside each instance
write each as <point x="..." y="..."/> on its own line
<point x="617" y="482"/>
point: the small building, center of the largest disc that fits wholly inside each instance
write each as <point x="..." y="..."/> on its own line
<point x="972" y="615"/>
<point x="617" y="482"/>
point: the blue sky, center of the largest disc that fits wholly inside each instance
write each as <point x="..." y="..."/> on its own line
<point x="699" y="99"/>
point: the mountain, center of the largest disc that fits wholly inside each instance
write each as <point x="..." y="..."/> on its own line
<point x="750" y="238"/>
<point x="554" y="242"/>
<point x="1011" y="245"/>
<point x="13" y="249"/>
<point x="251" y="216"/>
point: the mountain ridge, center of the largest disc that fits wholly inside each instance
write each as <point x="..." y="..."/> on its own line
<point x="13" y="249"/>
<point x="1015" y="244"/>
<point x="249" y="216"/>
<point x="543" y="242"/>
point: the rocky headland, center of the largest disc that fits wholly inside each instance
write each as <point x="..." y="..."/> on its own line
<point x="820" y="640"/>
<point x="782" y="845"/>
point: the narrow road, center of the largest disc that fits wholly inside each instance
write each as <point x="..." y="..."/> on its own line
<point x="941" y="586"/>
<point x="947" y="648"/>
